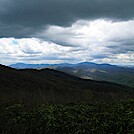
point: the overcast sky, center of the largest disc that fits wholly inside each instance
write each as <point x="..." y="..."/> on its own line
<point x="70" y="31"/>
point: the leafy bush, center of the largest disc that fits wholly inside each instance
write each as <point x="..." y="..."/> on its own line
<point x="115" y="118"/>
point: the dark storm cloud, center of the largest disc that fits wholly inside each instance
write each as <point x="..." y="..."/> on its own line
<point x="22" y="18"/>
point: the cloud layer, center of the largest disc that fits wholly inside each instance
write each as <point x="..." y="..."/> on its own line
<point x="100" y="41"/>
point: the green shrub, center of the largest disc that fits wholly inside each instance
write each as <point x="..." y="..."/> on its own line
<point x="115" y="118"/>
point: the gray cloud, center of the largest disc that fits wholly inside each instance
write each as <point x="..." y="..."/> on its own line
<point x="102" y="56"/>
<point x="121" y="47"/>
<point x="23" y="18"/>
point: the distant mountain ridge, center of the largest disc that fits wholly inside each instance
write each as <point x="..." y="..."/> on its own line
<point x="40" y="66"/>
<point x="89" y="70"/>
<point x="82" y="64"/>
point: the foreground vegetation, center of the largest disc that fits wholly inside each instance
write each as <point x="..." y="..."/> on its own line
<point x="98" y="118"/>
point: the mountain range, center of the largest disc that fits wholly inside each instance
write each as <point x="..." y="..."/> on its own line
<point x="51" y="86"/>
<point x="89" y="70"/>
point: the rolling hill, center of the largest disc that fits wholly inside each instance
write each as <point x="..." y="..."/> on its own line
<point x="102" y="72"/>
<point x="89" y="70"/>
<point x="51" y="86"/>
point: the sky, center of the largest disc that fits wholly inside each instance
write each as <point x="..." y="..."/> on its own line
<point x="67" y="31"/>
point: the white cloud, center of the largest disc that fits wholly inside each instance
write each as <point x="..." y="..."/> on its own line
<point x="31" y="50"/>
<point x="98" y="37"/>
<point x="98" y="41"/>
<point x="90" y="32"/>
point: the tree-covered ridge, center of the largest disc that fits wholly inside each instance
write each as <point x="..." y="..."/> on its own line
<point x="31" y="86"/>
<point x="89" y="70"/>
